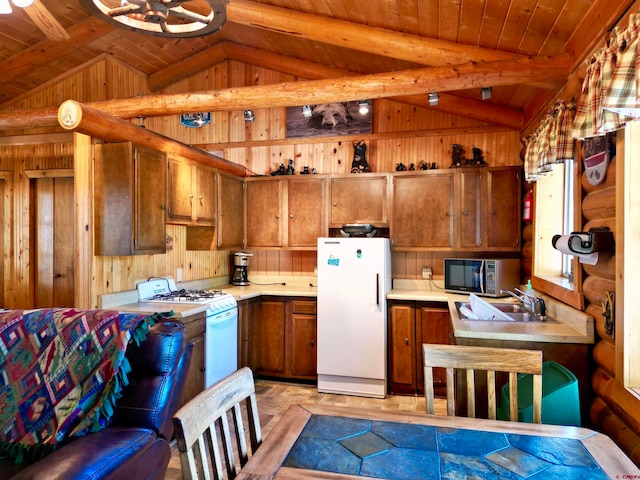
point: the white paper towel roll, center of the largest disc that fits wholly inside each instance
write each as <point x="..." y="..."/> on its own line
<point x="562" y="244"/>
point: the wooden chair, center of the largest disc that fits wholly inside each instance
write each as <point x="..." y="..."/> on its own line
<point x="491" y="360"/>
<point x="195" y="427"/>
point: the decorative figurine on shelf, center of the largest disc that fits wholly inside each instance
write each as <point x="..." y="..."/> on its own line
<point x="457" y="155"/>
<point x="412" y="166"/>
<point x="433" y="166"/>
<point x="359" y="163"/>
<point x="424" y="165"/>
<point x="290" y="170"/>
<point x="478" y="159"/>
<point x="305" y="170"/>
<point x="279" y="171"/>
<point x="400" y="167"/>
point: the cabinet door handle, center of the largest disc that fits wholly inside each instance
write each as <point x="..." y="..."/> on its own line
<point x="200" y="198"/>
<point x="278" y="216"/>
<point x="162" y="207"/>
<point x="291" y="215"/>
<point x="448" y="214"/>
<point x="406" y="341"/>
<point x="335" y="204"/>
<point x="222" y="214"/>
<point x="313" y="343"/>
<point x="465" y="213"/>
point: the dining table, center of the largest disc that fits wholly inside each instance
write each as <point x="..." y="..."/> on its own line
<point x="331" y="442"/>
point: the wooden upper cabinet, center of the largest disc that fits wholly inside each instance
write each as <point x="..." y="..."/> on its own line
<point x="503" y="208"/>
<point x="264" y="204"/>
<point x="359" y="198"/>
<point x="129" y="199"/>
<point x="306" y="218"/>
<point x="423" y="210"/>
<point x="472" y="200"/>
<point x="230" y="224"/>
<point x="192" y="191"/>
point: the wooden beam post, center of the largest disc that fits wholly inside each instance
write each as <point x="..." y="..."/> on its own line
<point x="82" y="118"/>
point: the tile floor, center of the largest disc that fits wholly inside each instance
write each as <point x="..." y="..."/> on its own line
<point x="274" y="398"/>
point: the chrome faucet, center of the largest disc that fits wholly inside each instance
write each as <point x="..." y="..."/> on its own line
<point x="535" y="306"/>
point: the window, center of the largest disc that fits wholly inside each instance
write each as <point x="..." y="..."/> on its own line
<point x="554" y="199"/>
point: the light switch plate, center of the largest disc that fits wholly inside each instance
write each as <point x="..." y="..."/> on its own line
<point x="426" y="273"/>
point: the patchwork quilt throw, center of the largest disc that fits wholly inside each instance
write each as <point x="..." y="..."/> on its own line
<point x="61" y="370"/>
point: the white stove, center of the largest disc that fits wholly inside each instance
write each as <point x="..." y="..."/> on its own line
<point x="221" y="336"/>
<point x="164" y="290"/>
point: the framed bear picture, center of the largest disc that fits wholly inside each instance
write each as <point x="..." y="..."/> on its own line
<point x="329" y="119"/>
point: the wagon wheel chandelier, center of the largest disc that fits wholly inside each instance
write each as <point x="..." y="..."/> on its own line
<point x="163" y="18"/>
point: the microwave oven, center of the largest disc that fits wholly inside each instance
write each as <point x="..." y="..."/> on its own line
<point x="486" y="277"/>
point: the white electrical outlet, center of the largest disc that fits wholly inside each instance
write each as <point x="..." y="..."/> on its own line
<point x="179" y="274"/>
<point x="426" y="273"/>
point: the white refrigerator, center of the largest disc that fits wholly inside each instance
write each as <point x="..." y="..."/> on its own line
<point x="354" y="277"/>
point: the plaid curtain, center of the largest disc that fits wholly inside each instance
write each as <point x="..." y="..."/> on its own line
<point x="609" y="95"/>
<point x="552" y="142"/>
<point x="622" y="92"/>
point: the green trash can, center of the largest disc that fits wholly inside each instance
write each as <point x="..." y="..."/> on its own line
<point x="560" y="398"/>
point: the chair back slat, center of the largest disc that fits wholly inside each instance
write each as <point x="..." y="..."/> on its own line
<point x="199" y="421"/>
<point x="489" y="360"/>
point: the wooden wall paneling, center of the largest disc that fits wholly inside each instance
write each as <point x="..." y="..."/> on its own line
<point x="7" y="238"/>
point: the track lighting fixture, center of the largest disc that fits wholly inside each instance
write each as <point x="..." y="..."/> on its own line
<point x="249" y="116"/>
<point x="485" y="93"/>
<point x="364" y="107"/>
<point x="434" y="98"/>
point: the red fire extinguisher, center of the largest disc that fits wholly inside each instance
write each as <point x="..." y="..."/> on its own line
<point x="527" y="214"/>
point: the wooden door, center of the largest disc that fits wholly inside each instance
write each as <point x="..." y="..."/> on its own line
<point x="434" y="326"/>
<point x="180" y="192"/>
<point x="503" y="208"/>
<point x="359" y="198"/>
<point x="271" y="337"/>
<point x="53" y="236"/>
<point x="150" y="206"/>
<point x="303" y="346"/>
<point x="306" y="205"/>
<point x="205" y="201"/>
<point x="230" y="223"/>
<point x="423" y="207"/>
<point x="402" y="345"/>
<point x="264" y="213"/>
<point x="470" y="212"/>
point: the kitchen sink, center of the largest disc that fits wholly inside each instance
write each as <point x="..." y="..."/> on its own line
<point x="513" y="310"/>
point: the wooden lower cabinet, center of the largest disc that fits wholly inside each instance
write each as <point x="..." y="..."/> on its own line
<point x="284" y="338"/>
<point x="248" y="316"/>
<point x="410" y="325"/>
<point x="196" y="328"/>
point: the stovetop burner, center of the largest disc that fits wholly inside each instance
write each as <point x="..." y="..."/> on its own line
<point x="186" y="295"/>
<point x="165" y="290"/>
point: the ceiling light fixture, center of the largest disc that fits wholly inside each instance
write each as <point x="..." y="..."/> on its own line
<point x="5" y="7"/>
<point x="486" y="93"/>
<point x="163" y="18"/>
<point x="22" y="3"/>
<point x="434" y="98"/>
<point x="249" y="116"/>
<point x="364" y="107"/>
<point x="307" y="111"/>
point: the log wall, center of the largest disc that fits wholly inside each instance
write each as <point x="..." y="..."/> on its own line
<point x="614" y="410"/>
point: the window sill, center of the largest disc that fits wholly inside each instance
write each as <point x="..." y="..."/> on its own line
<point x="560" y="289"/>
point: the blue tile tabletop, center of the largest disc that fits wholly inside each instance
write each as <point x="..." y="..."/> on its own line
<point x="400" y="451"/>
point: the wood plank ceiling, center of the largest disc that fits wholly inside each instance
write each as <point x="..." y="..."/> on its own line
<point x="324" y="39"/>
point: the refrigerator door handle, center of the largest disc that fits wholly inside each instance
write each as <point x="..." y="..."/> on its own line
<point x="378" y="289"/>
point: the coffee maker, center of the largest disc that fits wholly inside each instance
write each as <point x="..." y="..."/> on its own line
<point x="241" y="268"/>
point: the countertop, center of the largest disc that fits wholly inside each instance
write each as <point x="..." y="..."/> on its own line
<point x="573" y="325"/>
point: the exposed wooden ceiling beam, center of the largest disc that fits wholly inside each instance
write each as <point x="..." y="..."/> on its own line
<point x="48" y="51"/>
<point x="382" y="85"/>
<point x="81" y="118"/>
<point x="464" y="107"/>
<point x="365" y="38"/>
